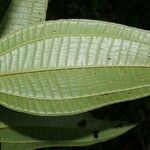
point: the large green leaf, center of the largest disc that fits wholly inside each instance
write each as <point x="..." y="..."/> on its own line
<point x="72" y="66"/>
<point x="22" y="13"/>
<point x="76" y="130"/>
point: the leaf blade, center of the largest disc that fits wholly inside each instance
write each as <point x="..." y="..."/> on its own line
<point x="22" y="13"/>
<point x="69" y="74"/>
<point x="77" y="130"/>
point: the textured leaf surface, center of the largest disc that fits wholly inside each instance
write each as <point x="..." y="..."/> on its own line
<point x="72" y="66"/>
<point x="76" y="130"/>
<point x="22" y="13"/>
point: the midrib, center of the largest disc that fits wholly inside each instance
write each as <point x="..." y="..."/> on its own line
<point x="71" y="68"/>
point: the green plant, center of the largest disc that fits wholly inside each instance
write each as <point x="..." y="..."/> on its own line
<point x="53" y="73"/>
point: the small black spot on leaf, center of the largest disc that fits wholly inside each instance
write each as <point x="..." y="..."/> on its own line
<point x="109" y="58"/>
<point x="82" y="123"/>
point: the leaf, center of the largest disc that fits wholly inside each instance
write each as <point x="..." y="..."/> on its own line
<point x="76" y="130"/>
<point x="73" y="66"/>
<point x="22" y="146"/>
<point x="22" y="13"/>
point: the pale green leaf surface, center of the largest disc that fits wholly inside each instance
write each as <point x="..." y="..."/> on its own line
<point x="72" y="66"/>
<point x="76" y="130"/>
<point x="22" y="13"/>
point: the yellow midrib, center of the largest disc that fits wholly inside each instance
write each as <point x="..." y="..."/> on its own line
<point x="71" y="68"/>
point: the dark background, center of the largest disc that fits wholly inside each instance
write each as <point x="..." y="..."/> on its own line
<point x="135" y="13"/>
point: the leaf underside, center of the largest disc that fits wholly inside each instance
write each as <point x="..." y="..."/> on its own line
<point x="71" y="66"/>
<point x="22" y="13"/>
<point x="34" y="131"/>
